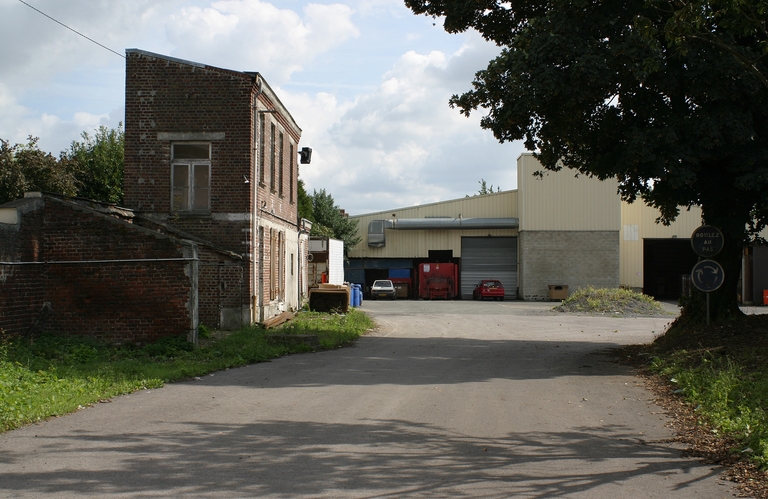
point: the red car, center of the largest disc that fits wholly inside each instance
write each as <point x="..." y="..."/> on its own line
<point x="488" y="288"/>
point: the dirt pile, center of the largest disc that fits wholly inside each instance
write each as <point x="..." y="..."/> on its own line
<point x="611" y="301"/>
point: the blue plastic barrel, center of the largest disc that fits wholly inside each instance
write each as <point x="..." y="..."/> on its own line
<point x="358" y="295"/>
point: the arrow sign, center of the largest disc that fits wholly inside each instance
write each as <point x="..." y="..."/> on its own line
<point x="707" y="275"/>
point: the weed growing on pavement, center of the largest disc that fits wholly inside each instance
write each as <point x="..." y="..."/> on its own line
<point x="55" y="375"/>
<point x="333" y="330"/>
<point x="615" y="301"/>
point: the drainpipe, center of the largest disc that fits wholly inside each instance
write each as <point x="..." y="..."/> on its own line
<point x="255" y="239"/>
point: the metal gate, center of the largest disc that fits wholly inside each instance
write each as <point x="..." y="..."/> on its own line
<point x="489" y="258"/>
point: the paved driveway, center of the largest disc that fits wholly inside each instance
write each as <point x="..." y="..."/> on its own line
<point x="445" y="399"/>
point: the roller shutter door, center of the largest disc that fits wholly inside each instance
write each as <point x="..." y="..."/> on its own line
<point x="489" y="258"/>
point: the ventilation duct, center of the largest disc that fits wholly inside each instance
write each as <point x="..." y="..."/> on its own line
<point x="376" y="234"/>
<point x="447" y="224"/>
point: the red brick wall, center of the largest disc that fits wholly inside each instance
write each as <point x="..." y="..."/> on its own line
<point x="162" y="96"/>
<point x="117" y="301"/>
<point x="167" y="98"/>
<point x="226" y="286"/>
<point x="22" y="291"/>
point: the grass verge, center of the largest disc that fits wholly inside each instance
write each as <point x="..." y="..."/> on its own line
<point x="56" y="375"/>
<point x="715" y="381"/>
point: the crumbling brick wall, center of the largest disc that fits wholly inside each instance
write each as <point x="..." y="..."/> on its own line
<point x="224" y="304"/>
<point x="103" y="277"/>
<point x="22" y="291"/>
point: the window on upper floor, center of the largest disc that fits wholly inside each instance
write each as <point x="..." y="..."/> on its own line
<point x="281" y="156"/>
<point x="291" y="175"/>
<point x="262" y="142"/>
<point x="272" y="159"/>
<point x="191" y="176"/>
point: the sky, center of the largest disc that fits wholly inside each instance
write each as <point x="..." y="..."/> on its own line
<point x="367" y="81"/>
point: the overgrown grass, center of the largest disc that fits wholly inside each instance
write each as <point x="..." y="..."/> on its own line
<point x="56" y="375"/>
<point x="610" y="301"/>
<point x="724" y="376"/>
<point x="333" y="330"/>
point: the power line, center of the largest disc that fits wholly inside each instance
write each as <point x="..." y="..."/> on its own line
<point x="74" y="31"/>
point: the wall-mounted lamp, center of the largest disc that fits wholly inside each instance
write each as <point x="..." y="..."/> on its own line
<point x="246" y="180"/>
<point x="306" y="155"/>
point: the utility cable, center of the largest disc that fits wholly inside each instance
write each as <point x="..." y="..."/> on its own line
<point x="74" y="31"/>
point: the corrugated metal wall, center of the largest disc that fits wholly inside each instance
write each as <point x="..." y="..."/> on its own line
<point x="638" y="223"/>
<point x="489" y="258"/>
<point x="417" y="243"/>
<point x="560" y="201"/>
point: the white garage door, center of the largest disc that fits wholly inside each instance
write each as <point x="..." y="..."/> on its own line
<point x="489" y="258"/>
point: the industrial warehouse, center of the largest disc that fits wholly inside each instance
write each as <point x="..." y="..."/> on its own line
<point x="554" y="234"/>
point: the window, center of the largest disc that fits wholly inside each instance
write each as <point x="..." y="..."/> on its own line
<point x="191" y="177"/>
<point x="276" y="265"/>
<point x="280" y="166"/>
<point x="291" y="159"/>
<point x="281" y="265"/>
<point x="262" y="145"/>
<point x="272" y="160"/>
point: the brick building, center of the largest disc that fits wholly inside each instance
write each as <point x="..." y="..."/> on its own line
<point x="214" y="153"/>
<point x="209" y="233"/>
<point x="82" y="268"/>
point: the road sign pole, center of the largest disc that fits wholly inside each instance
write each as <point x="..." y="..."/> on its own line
<point x="707" y="309"/>
<point x="707" y="275"/>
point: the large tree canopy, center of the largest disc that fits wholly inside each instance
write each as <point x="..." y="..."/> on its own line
<point x="100" y="159"/>
<point x="91" y="169"/>
<point x="24" y="167"/>
<point x="669" y="97"/>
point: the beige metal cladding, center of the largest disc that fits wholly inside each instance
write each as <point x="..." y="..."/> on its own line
<point x="638" y="222"/>
<point x="562" y="201"/>
<point x="417" y="243"/>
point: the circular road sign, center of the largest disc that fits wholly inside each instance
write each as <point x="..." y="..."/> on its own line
<point x="707" y="241"/>
<point x="707" y="275"/>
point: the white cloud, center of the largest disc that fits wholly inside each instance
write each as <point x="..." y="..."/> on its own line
<point x="253" y="35"/>
<point x="380" y="126"/>
<point x="402" y="144"/>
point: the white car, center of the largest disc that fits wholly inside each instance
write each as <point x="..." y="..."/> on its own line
<point x="383" y="289"/>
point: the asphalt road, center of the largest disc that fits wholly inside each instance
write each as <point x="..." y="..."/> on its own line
<point x="444" y="399"/>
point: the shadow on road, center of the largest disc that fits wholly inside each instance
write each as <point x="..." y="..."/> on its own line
<point x="410" y="361"/>
<point x="290" y="459"/>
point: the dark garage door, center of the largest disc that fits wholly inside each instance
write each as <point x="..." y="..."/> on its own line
<point x="489" y="258"/>
<point x="665" y="261"/>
